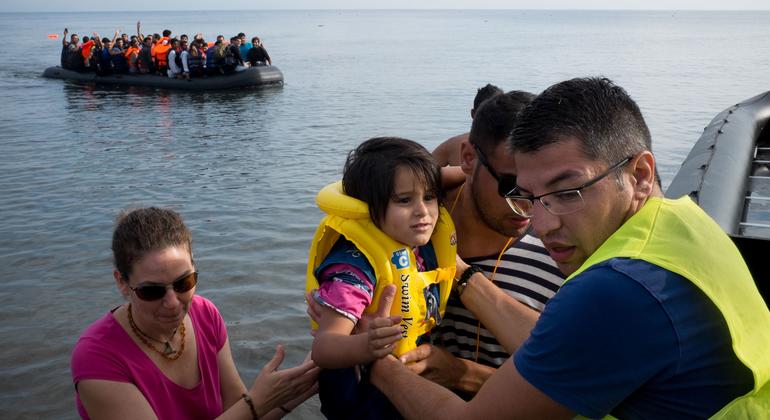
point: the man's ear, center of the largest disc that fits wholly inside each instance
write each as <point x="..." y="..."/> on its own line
<point x="643" y="175"/>
<point x="467" y="157"/>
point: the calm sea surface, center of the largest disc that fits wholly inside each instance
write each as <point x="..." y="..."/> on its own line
<point x="243" y="167"/>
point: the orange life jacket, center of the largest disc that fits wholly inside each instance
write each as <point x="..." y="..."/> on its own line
<point x="129" y="51"/>
<point x="160" y="52"/>
<point x="86" y="48"/>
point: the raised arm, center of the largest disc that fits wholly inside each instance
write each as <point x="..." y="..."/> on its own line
<point x="64" y="37"/>
<point x="139" y="31"/>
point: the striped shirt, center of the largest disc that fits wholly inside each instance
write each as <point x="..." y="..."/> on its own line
<point x="526" y="272"/>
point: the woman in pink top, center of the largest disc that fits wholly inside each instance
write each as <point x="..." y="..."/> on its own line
<point x="165" y="353"/>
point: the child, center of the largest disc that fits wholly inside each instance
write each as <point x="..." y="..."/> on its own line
<point x="383" y="226"/>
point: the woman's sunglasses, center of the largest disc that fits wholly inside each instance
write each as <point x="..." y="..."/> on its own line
<point x="152" y="292"/>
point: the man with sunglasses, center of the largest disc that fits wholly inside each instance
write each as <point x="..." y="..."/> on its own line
<point x="496" y="241"/>
<point x="659" y="318"/>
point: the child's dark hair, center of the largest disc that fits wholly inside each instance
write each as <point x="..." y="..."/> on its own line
<point x="370" y="170"/>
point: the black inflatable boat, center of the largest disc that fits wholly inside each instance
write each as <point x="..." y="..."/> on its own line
<point x="728" y="174"/>
<point x="252" y="76"/>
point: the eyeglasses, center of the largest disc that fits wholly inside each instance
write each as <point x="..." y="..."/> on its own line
<point x="558" y="202"/>
<point x="153" y="292"/>
<point x="505" y="183"/>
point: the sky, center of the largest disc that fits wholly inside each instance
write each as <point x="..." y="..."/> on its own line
<point x="149" y="5"/>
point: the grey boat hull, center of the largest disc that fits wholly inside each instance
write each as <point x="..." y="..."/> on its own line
<point x="252" y="76"/>
<point x="728" y="174"/>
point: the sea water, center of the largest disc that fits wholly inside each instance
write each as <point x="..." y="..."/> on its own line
<point x="243" y="166"/>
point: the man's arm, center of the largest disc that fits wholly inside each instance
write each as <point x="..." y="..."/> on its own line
<point x="505" y="395"/>
<point x="509" y="320"/>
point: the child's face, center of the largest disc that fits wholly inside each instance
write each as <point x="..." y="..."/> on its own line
<point x="412" y="211"/>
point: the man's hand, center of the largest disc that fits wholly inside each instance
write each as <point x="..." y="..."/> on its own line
<point x="435" y="364"/>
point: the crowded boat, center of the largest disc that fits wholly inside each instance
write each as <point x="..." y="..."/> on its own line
<point x="161" y="54"/>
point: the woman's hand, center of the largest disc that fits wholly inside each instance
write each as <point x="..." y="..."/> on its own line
<point x="274" y="388"/>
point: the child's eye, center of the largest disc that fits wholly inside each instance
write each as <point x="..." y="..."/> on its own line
<point x="402" y="200"/>
<point x="429" y="197"/>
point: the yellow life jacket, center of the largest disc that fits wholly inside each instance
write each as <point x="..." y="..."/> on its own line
<point x="393" y="262"/>
<point x="679" y="236"/>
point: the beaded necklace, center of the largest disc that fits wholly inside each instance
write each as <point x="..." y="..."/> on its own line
<point x="168" y="352"/>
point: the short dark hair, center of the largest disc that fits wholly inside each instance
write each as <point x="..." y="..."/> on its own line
<point x="496" y="117"/>
<point x="256" y="38"/>
<point x="85" y="38"/>
<point x="484" y="93"/>
<point x="241" y="34"/>
<point x="144" y="230"/>
<point x="370" y="171"/>
<point x="166" y="32"/>
<point x="105" y="40"/>
<point x="233" y="38"/>
<point x="600" y="114"/>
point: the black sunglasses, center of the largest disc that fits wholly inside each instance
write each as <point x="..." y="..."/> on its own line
<point x="505" y="183"/>
<point x="152" y="292"/>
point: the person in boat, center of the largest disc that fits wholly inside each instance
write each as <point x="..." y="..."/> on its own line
<point x="644" y="327"/>
<point x="174" y="64"/>
<point x="94" y="57"/>
<point x="118" y="56"/>
<point x="233" y="58"/>
<point x="104" y="67"/>
<point x="144" y="59"/>
<point x="215" y="57"/>
<point x="182" y="60"/>
<point x="86" y="51"/>
<point x="244" y="46"/>
<point x="257" y="55"/>
<point x="384" y="226"/>
<point x="71" y="57"/>
<point x="496" y="241"/>
<point x="196" y="60"/>
<point x="160" y="52"/>
<point x="165" y="352"/>
<point x="448" y="152"/>
<point x="132" y="56"/>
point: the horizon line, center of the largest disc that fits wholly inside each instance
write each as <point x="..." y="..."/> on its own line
<point x="588" y="9"/>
